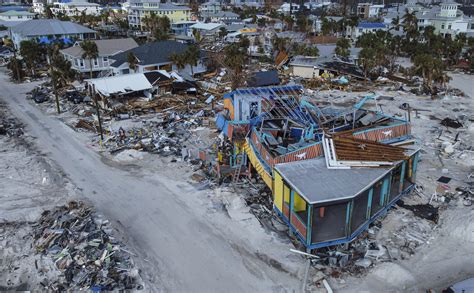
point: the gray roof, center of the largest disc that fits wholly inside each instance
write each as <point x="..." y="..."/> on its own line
<point x="106" y="47"/>
<point x="151" y="53"/>
<point x="221" y="14"/>
<point x="16" y="13"/>
<point x="238" y="26"/>
<point x="318" y="184"/>
<point x="45" y="27"/>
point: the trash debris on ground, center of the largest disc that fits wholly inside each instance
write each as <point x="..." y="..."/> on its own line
<point x="83" y="249"/>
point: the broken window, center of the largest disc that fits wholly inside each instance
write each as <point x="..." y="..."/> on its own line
<point x="253" y="110"/>
<point x="359" y="210"/>
<point x="329" y="222"/>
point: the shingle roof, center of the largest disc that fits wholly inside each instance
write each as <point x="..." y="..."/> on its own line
<point x="151" y="53"/>
<point x="106" y="47"/>
<point x="44" y="27"/>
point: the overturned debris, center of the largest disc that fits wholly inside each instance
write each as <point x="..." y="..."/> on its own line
<point x="84" y="251"/>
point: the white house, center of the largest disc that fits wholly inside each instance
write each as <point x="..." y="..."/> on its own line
<point x="368" y="10"/>
<point x="450" y="21"/>
<point x="76" y="8"/>
<point x="12" y="15"/>
<point x="107" y="49"/>
<point x="285" y="8"/>
<point x="210" y="7"/>
<point x="365" y="27"/>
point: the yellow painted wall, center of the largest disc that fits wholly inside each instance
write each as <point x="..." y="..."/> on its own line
<point x="267" y="178"/>
<point x="173" y="15"/>
<point x="278" y="192"/>
<point x="298" y="202"/>
<point x="286" y="194"/>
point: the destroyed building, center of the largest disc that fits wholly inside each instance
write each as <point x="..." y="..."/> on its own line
<point x="331" y="171"/>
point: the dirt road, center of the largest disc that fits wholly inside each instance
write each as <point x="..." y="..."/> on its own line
<point x="182" y="250"/>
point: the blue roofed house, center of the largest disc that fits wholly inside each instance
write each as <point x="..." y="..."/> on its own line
<point x="46" y="30"/>
<point x="364" y="28"/>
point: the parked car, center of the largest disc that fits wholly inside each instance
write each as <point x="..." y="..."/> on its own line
<point x="74" y="96"/>
<point x="40" y="97"/>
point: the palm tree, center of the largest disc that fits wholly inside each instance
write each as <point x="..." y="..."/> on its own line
<point x="32" y="53"/>
<point x="197" y="36"/>
<point x="367" y="61"/>
<point x="132" y="61"/>
<point x="89" y="51"/>
<point x="178" y="60"/>
<point x="342" y="47"/>
<point x="192" y="55"/>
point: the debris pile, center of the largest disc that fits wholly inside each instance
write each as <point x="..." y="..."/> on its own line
<point x="165" y="134"/>
<point x="84" y="251"/>
<point x="10" y="126"/>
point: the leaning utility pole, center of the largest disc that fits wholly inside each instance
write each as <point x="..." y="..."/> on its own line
<point x="94" y="95"/>
<point x="17" y="63"/>
<point x="52" y="74"/>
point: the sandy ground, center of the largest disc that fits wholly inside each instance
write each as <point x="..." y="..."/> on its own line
<point x="163" y="218"/>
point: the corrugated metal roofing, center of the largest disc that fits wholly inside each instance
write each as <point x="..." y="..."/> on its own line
<point x="318" y="184"/>
<point x="121" y="84"/>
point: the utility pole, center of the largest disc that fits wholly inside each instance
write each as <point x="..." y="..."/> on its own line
<point x="94" y="95"/>
<point x="17" y="64"/>
<point x="53" y="76"/>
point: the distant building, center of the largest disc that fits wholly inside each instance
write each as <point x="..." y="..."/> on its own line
<point x="223" y="16"/>
<point x="207" y="30"/>
<point x="12" y="15"/>
<point x="210" y="7"/>
<point x="365" y="27"/>
<point x="141" y="8"/>
<point x="248" y="3"/>
<point x="368" y="10"/>
<point x="76" y="8"/>
<point x="107" y="49"/>
<point x="38" y="6"/>
<point x="447" y="19"/>
<point x="47" y="29"/>
<point x="286" y="8"/>
<point x="182" y="27"/>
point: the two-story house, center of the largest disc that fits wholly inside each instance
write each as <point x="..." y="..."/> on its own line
<point x="75" y="8"/>
<point x="37" y="29"/>
<point x="100" y="65"/>
<point x="155" y="56"/>
<point x="141" y="8"/>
